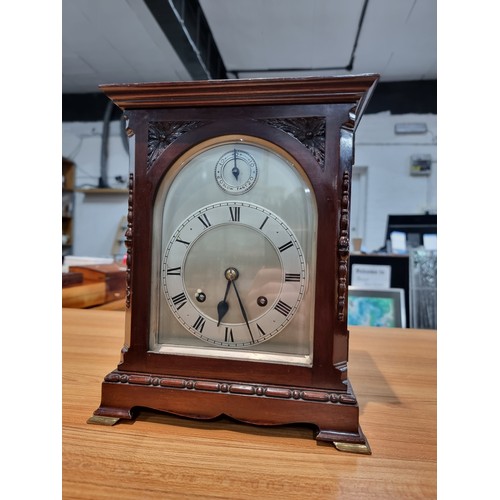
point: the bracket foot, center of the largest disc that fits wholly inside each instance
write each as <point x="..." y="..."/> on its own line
<point x="362" y="449"/>
<point x="100" y="420"/>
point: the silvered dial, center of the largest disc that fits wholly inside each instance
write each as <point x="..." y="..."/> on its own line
<point x="233" y="274"/>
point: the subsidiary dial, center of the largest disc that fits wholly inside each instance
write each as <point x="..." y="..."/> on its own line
<point x="236" y="172"/>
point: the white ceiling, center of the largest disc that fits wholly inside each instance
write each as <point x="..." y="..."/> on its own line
<point x="120" y="41"/>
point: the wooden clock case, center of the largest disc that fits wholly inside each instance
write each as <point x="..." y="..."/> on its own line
<point x="314" y="120"/>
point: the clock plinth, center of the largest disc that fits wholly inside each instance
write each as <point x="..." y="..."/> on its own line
<point x="333" y="414"/>
<point x="237" y="253"/>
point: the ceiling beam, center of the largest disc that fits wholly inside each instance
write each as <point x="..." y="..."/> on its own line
<point x="185" y="26"/>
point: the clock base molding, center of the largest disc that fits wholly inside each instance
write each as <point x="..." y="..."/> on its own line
<point x="334" y="414"/>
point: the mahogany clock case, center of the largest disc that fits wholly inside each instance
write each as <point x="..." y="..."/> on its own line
<point x="313" y="120"/>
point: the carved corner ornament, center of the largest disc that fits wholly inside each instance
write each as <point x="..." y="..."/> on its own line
<point x="162" y="134"/>
<point x="310" y="131"/>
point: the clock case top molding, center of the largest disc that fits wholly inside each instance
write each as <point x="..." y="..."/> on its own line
<point x="314" y="120"/>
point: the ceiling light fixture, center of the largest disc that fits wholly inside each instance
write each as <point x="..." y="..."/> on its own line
<point x="410" y="128"/>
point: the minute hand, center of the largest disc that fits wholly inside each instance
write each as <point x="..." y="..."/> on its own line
<point x="243" y="311"/>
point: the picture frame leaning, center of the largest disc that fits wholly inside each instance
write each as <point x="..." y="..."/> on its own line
<point x="380" y="307"/>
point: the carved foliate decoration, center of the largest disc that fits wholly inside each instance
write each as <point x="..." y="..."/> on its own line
<point x="343" y="248"/>
<point x="310" y="131"/>
<point x="162" y="134"/>
<point x="128" y="238"/>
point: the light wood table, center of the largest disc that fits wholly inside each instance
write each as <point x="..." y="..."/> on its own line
<point x="84" y="295"/>
<point x="393" y="372"/>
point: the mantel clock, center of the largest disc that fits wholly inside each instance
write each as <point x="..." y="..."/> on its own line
<point x="237" y="252"/>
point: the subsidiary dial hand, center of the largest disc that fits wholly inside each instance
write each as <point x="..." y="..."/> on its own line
<point x="235" y="170"/>
<point x="223" y="306"/>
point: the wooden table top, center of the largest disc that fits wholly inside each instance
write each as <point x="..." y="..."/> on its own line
<point x="393" y="373"/>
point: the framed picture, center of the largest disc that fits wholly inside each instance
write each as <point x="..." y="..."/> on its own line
<point x="383" y="307"/>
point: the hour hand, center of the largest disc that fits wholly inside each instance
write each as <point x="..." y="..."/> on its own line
<point x="223" y="306"/>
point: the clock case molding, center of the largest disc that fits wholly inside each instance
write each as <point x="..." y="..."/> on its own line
<point x="314" y="120"/>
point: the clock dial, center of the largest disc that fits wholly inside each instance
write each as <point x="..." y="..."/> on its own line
<point x="234" y="274"/>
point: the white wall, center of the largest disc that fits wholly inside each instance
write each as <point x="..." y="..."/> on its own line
<point x="97" y="216"/>
<point x="389" y="187"/>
